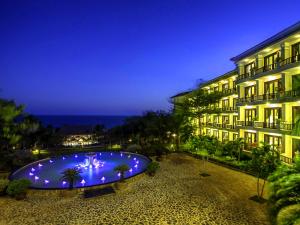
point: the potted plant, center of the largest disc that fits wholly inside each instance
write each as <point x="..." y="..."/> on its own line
<point x="18" y="188"/>
<point x="152" y="168"/>
<point x="3" y="186"/>
<point x="121" y="169"/>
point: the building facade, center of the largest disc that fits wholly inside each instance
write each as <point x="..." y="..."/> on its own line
<point x="261" y="100"/>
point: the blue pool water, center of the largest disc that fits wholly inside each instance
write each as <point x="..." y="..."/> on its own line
<point x="95" y="170"/>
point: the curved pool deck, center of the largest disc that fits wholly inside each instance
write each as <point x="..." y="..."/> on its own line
<point x="176" y="195"/>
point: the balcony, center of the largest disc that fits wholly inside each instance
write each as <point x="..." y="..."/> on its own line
<point x="229" y="91"/>
<point x="228" y="109"/>
<point x="277" y="126"/>
<point x="256" y="72"/>
<point x="285" y="95"/>
<point x="220" y="125"/>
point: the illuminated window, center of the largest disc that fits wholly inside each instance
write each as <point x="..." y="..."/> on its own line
<point x="275" y="142"/>
<point x="249" y="67"/>
<point x="272" y="117"/>
<point x="225" y="136"/>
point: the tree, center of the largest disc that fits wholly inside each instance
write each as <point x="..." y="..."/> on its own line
<point x="71" y="176"/>
<point x="264" y="161"/>
<point x="122" y="169"/>
<point x="238" y="146"/>
<point x="284" y="186"/>
<point x="198" y="103"/>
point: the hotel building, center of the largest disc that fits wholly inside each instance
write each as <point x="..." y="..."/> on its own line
<point x="261" y="101"/>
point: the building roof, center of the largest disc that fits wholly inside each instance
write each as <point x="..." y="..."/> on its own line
<point x="218" y="78"/>
<point x="221" y="77"/>
<point x="272" y="40"/>
<point x="181" y="94"/>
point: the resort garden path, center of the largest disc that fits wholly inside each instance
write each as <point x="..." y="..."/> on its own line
<point x="177" y="194"/>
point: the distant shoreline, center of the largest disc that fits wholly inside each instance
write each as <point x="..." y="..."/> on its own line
<point x="75" y="120"/>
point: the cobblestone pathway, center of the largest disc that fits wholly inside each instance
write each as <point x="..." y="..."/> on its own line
<point x="176" y="195"/>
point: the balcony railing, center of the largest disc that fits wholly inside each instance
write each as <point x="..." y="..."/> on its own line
<point x="257" y="124"/>
<point x="229" y="91"/>
<point x="229" y="109"/>
<point x="270" y="96"/>
<point x="270" y="67"/>
<point x="286" y="159"/>
<point x="220" y="125"/>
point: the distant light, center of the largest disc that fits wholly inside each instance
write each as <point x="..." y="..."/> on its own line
<point x="40" y="165"/>
<point x="136" y="166"/>
<point x="103" y="179"/>
<point x="134" y="159"/>
<point x="36" y="178"/>
<point x="64" y="182"/>
<point x="130" y="170"/>
<point x="32" y="169"/>
<point x="46" y="181"/>
<point x="64" y="158"/>
<point x="30" y="174"/>
<point x="51" y="161"/>
<point x="76" y="156"/>
<point x="82" y="182"/>
<point x="119" y="174"/>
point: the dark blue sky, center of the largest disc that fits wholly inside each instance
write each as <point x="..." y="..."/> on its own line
<point x="124" y="57"/>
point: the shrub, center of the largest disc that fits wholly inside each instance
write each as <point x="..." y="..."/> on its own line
<point x="122" y="169"/>
<point x="289" y="215"/>
<point x="3" y="185"/>
<point x="152" y="168"/>
<point x="18" y="187"/>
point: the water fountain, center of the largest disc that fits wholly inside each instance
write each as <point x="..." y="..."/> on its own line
<point x="91" y="161"/>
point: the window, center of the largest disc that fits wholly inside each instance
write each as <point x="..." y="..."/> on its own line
<point x="296" y="49"/>
<point x="249" y="68"/>
<point x="225" y="87"/>
<point x="216" y="89"/>
<point x="235" y="136"/>
<point x="272" y="87"/>
<point x="234" y="121"/>
<point x="250" y="91"/>
<point x="296" y="113"/>
<point x="234" y="100"/>
<point x="272" y="117"/>
<point x="225" y="136"/>
<point x="275" y="142"/>
<point x="270" y="60"/>
<point x="250" y="140"/>
<point x="250" y="116"/>
<point x="216" y="119"/>
<point x="216" y="133"/>
<point x="208" y="132"/>
<point x="225" y="119"/>
<point x="225" y="104"/>
<point x="296" y="82"/>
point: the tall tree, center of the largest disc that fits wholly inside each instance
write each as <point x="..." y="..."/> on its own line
<point x="198" y="103"/>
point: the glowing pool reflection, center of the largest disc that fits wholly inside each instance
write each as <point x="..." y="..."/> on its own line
<point x="47" y="173"/>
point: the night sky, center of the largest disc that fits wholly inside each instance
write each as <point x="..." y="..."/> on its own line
<point x="124" y="57"/>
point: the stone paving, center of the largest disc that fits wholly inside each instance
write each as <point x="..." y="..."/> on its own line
<point x="176" y="195"/>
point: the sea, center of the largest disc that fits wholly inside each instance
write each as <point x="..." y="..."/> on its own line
<point x="75" y="120"/>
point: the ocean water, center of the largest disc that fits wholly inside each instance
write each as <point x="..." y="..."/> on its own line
<point x="61" y="120"/>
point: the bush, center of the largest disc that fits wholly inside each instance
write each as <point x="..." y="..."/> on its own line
<point x="152" y="168"/>
<point x="3" y="185"/>
<point x="18" y="188"/>
<point x="289" y="215"/>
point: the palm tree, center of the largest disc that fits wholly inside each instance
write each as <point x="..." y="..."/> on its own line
<point x="121" y="169"/>
<point x="238" y="144"/>
<point x="71" y="176"/>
